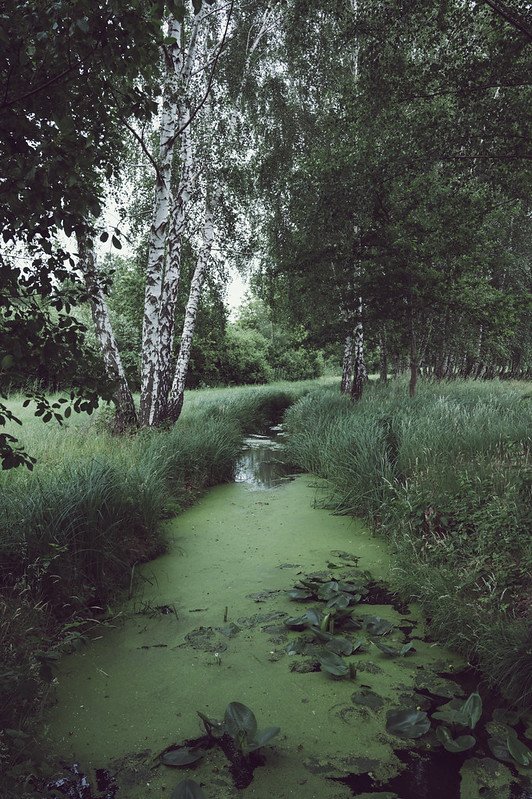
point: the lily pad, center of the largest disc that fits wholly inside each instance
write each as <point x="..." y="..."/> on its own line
<point x="334" y="665"/>
<point x="299" y="594"/>
<point x="519" y="752"/>
<point x="464" y="714"/>
<point x="367" y="698"/>
<point x="338" y="602"/>
<point x="340" y="646"/>
<point x="407" y="723"/>
<point x="261" y="739"/>
<point x="178" y="758"/>
<point x="187" y="789"/>
<point x="460" y="744"/>
<point x="375" y="625"/>
<point x="394" y="651"/>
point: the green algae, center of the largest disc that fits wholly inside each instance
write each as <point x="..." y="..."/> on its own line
<point x="135" y="690"/>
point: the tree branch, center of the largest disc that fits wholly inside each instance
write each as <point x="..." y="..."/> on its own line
<point x="510" y="16"/>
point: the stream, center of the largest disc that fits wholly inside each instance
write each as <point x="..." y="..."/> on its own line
<point x="206" y="627"/>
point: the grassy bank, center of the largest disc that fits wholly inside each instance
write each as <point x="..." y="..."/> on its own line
<point x="446" y="477"/>
<point x="72" y="531"/>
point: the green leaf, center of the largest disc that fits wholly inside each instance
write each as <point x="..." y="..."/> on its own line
<point x="407" y="723"/>
<point x="472" y="708"/>
<point x="374" y="625"/>
<point x="181" y="757"/>
<point x="299" y="594"/>
<point x="187" y="789"/>
<point x="104" y="236"/>
<point x="262" y="738"/>
<point x="116" y="242"/>
<point x="340" y="646"/>
<point x="520" y="753"/>
<point x="7" y="362"/>
<point x="197" y="6"/>
<point x="460" y="744"/>
<point x="338" y="602"/>
<point x="334" y="665"/>
<point x="238" y="718"/>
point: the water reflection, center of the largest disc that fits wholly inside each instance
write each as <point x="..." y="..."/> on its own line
<point x="261" y="463"/>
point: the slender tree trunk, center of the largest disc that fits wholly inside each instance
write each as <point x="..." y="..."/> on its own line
<point x="125" y="415"/>
<point x="359" y="374"/>
<point x="347" y="366"/>
<point x="383" y="356"/>
<point x="177" y="392"/>
<point x="414" y="359"/>
<point x="157" y="243"/>
<point x="162" y="278"/>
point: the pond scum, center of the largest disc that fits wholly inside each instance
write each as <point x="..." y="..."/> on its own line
<point x="266" y="608"/>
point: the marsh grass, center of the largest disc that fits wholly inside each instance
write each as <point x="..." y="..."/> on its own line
<point x="446" y="478"/>
<point x="72" y="531"/>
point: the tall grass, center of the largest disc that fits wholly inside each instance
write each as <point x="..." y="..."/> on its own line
<point x="446" y="477"/>
<point x="72" y="530"/>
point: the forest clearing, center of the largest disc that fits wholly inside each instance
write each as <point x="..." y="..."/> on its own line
<point x="265" y="399"/>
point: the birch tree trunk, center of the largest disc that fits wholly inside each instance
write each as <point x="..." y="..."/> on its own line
<point x="414" y="358"/>
<point x="360" y="372"/>
<point x="383" y="356"/>
<point x="150" y="373"/>
<point x="347" y="366"/>
<point x="125" y="414"/>
<point x="175" y="403"/>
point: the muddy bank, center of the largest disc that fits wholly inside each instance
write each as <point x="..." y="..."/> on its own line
<point x="207" y="627"/>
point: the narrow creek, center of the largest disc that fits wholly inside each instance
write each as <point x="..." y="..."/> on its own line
<point x="206" y="627"/>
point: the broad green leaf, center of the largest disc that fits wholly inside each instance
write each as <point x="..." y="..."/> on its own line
<point x="188" y="789"/>
<point x="340" y="646"/>
<point x="407" y="723"/>
<point x="181" y="757"/>
<point x="472" y="708"/>
<point x="460" y="744"/>
<point x="262" y="738"/>
<point x="238" y="718"/>
<point x="299" y="594"/>
<point x="376" y="626"/>
<point x="520" y="753"/>
<point x="334" y="665"/>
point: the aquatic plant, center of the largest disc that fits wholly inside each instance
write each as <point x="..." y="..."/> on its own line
<point x="406" y="723"/>
<point x="237" y="735"/>
<point x="187" y="789"/>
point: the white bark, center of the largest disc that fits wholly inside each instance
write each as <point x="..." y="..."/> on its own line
<point x="125" y="408"/>
<point x="360" y="373"/>
<point x="347" y="366"/>
<point x="178" y="386"/>
<point x="164" y="260"/>
<point x="158" y="231"/>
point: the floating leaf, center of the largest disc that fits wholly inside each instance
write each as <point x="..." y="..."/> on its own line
<point x="464" y="714"/>
<point x="520" y="753"/>
<point x="240" y="719"/>
<point x="472" y="708"/>
<point x="367" y="698"/>
<point x="338" y="602"/>
<point x="181" y="757"/>
<point x="407" y="723"/>
<point x="299" y="594"/>
<point x="460" y="744"/>
<point x="212" y="726"/>
<point x="499" y="749"/>
<point x="262" y="738"/>
<point x="334" y="665"/>
<point x="374" y="625"/>
<point x="187" y="789"/>
<point x="328" y="590"/>
<point x="340" y="646"/>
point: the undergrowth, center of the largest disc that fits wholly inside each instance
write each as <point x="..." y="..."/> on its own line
<point x="445" y="476"/>
<point x="72" y="531"/>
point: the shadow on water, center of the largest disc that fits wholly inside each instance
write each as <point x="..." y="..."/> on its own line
<point x="261" y="464"/>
